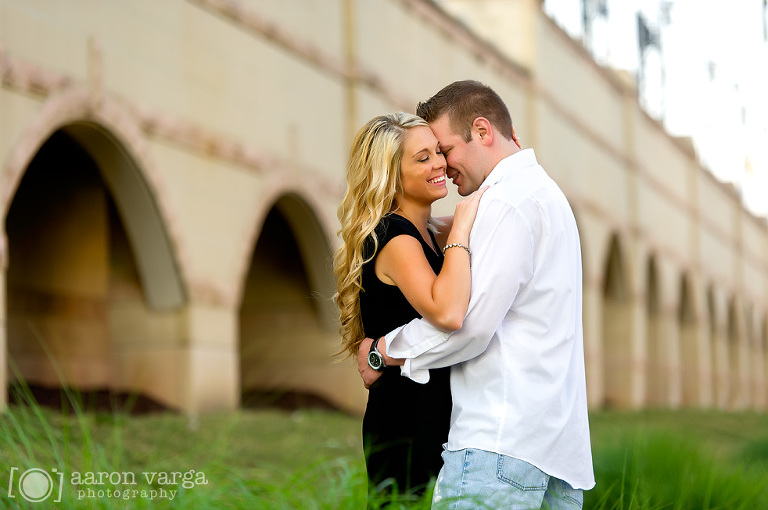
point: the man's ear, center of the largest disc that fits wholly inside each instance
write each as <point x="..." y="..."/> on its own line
<point x="515" y="138"/>
<point x="482" y="126"/>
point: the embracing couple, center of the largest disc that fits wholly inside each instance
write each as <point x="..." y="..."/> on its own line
<point x="467" y="329"/>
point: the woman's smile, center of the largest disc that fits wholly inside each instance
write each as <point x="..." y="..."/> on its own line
<point x="440" y="179"/>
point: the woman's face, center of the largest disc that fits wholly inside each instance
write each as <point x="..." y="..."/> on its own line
<point x="423" y="167"/>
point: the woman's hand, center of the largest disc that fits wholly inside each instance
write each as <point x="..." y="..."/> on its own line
<point x="464" y="217"/>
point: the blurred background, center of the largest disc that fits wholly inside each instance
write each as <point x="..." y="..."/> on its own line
<point x="700" y="70"/>
<point x="171" y="172"/>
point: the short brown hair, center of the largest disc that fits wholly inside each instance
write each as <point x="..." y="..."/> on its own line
<point x="463" y="102"/>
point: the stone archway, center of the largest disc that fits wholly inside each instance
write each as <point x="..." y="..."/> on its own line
<point x="288" y="322"/>
<point x="58" y="270"/>
<point x="659" y="372"/>
<point x="95" y="297"/>
<point x="736" y="397"/>
<point x="617" y="338"/>
<point x="719" y="350"/>
<point x="136" y="204"/>
<point x="691" y="358"/>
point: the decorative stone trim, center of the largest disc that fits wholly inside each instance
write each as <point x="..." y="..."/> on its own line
<point x="35" y="80"/>
<point x="28" y="77"/>
<point x="32" y="79"/>
<point x="67" y="101"/>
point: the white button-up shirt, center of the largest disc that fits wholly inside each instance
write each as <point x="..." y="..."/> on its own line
<point x="518" y="377"/>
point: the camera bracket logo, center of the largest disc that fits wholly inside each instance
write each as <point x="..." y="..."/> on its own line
<point x="35" y="484"/>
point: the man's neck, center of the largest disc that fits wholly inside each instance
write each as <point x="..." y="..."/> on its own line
<point x="505" y="150"/>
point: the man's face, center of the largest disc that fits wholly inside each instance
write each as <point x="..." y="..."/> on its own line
<point x="461" y="157"/>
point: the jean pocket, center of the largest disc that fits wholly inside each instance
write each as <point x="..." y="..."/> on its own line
<point x="574" y="496"/>
<point x="521" y="474"/>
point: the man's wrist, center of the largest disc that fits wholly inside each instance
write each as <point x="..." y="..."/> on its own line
<point x="381" y="345"/>
<point x="375" y="358"/>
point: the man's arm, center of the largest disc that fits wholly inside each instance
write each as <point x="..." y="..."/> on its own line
<point x="502" y="248"/>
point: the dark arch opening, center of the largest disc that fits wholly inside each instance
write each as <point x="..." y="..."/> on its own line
<point x="734" y="363"/>
<point x="615" y="286"/>
<point x="691" y="359"/>
<point x="619" y="364"/>
<point x="77" y="229"/>
<point x="284" y="322"/>
<point x="659" y="370"/>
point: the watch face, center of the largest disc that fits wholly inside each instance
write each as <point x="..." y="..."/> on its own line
<point x="375" y="360"/>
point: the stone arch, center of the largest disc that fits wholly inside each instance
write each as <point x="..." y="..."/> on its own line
<point x="137" y="207"/>
<point x="57" y="273"/>
<point x="659" y="376"/>
<point x="99" y="278"/>
<point x="288" y="324"/>
<point x="719" y="350"/>
<point x="690" y="364"/>
<point x="735" y="334"/>
<point x="114" y="140"/>
<point x="617" y="340"/>
<point x="315" y="252"/>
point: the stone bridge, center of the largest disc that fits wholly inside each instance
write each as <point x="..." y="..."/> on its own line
<point x="171" y="172"/>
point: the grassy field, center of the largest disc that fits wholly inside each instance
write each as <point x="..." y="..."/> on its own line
<point x="304" y="459"/>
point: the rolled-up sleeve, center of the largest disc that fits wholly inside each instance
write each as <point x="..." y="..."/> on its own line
<point x="502" y="245"/>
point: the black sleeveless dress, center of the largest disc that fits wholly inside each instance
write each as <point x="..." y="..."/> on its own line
<point x="405" y="423"/>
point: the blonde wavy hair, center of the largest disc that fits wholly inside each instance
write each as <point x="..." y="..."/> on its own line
<point x="373" y="187"/>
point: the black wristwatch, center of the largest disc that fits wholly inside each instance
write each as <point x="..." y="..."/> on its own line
<point x="375" y="359"/>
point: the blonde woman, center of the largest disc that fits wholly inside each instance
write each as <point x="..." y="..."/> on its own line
<point x="395" y="265"/>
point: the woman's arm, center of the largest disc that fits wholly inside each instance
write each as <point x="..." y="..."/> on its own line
<point x="441" y="299"/>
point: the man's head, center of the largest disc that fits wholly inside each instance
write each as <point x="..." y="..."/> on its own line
<point x="474" y="129"/>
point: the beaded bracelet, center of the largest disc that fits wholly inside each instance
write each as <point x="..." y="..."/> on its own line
<point x="459" y="245"/>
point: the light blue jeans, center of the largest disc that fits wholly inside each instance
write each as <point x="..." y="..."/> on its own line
<point x="474" y="479"/>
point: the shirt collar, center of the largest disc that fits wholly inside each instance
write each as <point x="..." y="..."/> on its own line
<point x="521" y="159"/>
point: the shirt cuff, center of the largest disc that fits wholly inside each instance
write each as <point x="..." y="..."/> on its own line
<point x="419" y="375"/>
<point x="388" y="340"/>
<point x="398" y="348"/>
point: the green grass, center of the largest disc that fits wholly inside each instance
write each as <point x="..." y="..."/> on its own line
<point x="272" y="459"/>
<point x="679" y="460"/>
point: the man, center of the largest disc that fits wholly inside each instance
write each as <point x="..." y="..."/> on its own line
<point x="519" y="432"/>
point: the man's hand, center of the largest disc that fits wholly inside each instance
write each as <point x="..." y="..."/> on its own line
<point x="368" y="374"/>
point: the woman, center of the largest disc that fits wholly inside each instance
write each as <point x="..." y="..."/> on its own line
<point x="390" y="269"/>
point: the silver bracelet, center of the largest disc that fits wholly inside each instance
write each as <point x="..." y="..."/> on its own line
<point x="458" y="245"/>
